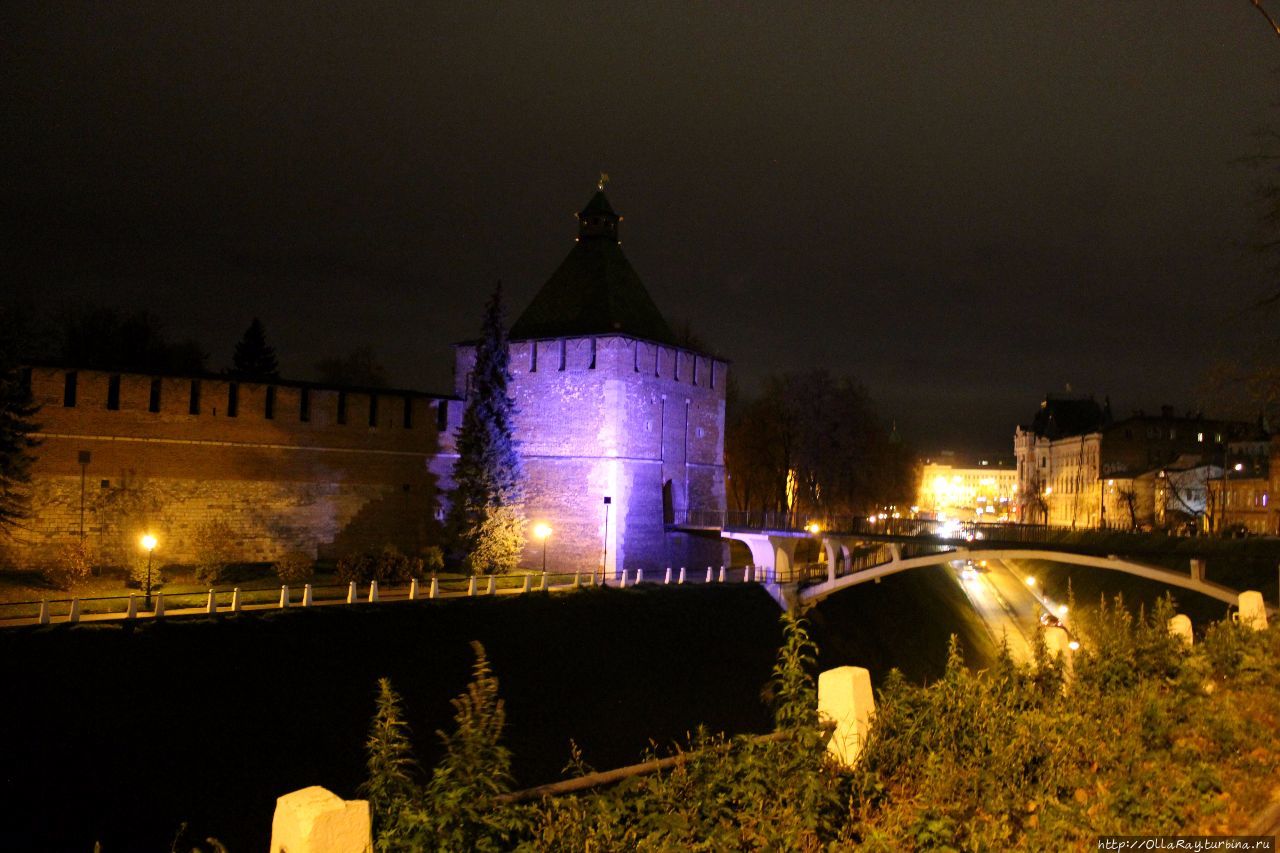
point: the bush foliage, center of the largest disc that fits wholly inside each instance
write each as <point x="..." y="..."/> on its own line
<point x="295" y="567"/>
<point x="386" y="566"/>
<point x="1137" y="734"/>
<point x="70" y="568"/>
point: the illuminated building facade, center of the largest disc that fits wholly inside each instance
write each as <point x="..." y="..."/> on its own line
<point x="984" y="489"/>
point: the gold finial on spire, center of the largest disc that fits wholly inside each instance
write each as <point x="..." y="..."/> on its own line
<point x="604" y="179"/>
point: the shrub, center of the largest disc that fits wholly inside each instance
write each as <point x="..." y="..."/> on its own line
<point x="432" y="559"/>
<point x="354" y="567"/>
<point x="216" y="548"/>
<point x="70" y="567"/>
<point x="295" y="567"/>
<point x="386" y="566"/>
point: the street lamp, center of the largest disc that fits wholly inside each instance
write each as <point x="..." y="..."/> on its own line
<point x="542" y="531"/>
<point x="149" y="543"/>
<point x="1031" y="581"/>
<point x="814" y="528"/>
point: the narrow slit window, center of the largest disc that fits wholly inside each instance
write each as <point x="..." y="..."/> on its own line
<point x="342" y="407"/>
<point x="233" y="399"/>
<point x="408" y="413"/>
<point x="269" y="408"/>
<point x="442" y="415"/>
<point x="194" y="406"/>
<point x="113" y="392"/>
<point x="69" y="389"/>
<point x="563" y="347"/>
<point x="373" y="410"/>
<point x="304" y="405"/>
<point x="533" y="356"/>
<point x="153" y="402"/>
<point x="592" y="366"/>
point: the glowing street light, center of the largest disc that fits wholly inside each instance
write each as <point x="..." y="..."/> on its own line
<point x="1062" y="610"/>
<point x="543" y="531"/>
<point x="1073" y="645"/>
<point x="149" y="545"/>
<point x="813" y="527"/>
<point x="1031" y="581"/>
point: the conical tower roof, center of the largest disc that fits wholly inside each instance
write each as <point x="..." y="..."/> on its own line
<point x="594" y="291"/>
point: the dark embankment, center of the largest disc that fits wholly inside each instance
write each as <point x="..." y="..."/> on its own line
<point x="120" y="734"/>
<point x="905" y="621"/>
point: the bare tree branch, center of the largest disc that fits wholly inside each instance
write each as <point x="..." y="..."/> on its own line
<point x="1257" y="4"/>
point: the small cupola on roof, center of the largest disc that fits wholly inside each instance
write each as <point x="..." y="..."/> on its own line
<point x="594" y="291"/>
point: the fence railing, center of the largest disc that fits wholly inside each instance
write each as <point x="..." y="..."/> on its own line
<point x="235" y="599"/>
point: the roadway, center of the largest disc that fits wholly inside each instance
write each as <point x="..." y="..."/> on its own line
<point x="1007" y="606"/>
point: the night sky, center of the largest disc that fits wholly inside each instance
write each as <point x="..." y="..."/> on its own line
<point x="964" y="205"/>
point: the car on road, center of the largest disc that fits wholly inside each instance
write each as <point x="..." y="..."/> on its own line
<point x="1050" y="620"/>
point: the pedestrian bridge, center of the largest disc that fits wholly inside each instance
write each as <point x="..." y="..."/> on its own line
<point x="861" y="550"/>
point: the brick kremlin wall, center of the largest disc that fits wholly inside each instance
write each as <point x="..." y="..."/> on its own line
<point x="287" y="465"/>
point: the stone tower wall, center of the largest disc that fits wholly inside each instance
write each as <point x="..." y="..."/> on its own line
<point x="281" y="483"/>
<point x="616" y="416"/>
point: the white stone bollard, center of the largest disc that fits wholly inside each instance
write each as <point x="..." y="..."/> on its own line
<point x="667" y="578"/>
<point x="284" y="596"/>
<point x="73" y="615"/>
<point x="681" y="575"/>
<point x="413" y="589"/>
<point x="211" y="606"/>
<point x="44" y="612"/>
<point x="1180" y="627"/>
<point x="1197" y="569"/>
<point x="373" y="592"/>
<point x="845" y="698"/>
<point x="235" y="600"/>
<point x="132" y="611"/>
<point x="528" y="583"/>
<point x="639" y="576"/>
<point x="746" y="575"/>
<point x="434" y="589"/>
<point x="471" y="585"/>
<point x="306" y="595"/>
<point x="351" y="593"/>
<point x="1252" y="612"/>
<point x="542" y="585"/>
<point x="159" y="611"/>
<point x="709" y="575"/>
<point x="492" y="589"/>
<point x="623" y="584"/>
<point x="577" y="579"/>
<point x="315" y="820"/>
<point x="721" y="578"/>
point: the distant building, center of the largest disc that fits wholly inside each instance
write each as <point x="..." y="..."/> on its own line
<point x="1079" y="467"/>
<point x="968" y="489"/>
<point x="1241" y="499"/>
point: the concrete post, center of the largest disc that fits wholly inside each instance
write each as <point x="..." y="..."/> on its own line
<point x="666" y="579"/>
<point x="73" y="615"/>
<point x="1180" y="627"/>
<point x="284" y="596"/>
<point x="845" y="698"/>
<point x="235" y="600"/>
<point x="681" y="575"/>
<point x="577" y="579"/>
<point x="434" y="590"/>
<point x="315" y="820"/>
<point x="132" y="611"/>
<point x="542" y="587"/>
<point x="623" y="584"/>
<point x="528" y="583"/>
<point x="44" y="612"/>
<point x="351" y="593"/>
<point x="471" y="585"/>
<point x="746" y="576"/>
<point x="306" y="595"/>
<point x="639" y="576"/>
<point x="159" y="611"/>
<point x="492" y="589"/>
<point x="1197" y="569"/>
<point x="373" y="592"/>
<point x="709" y="574"/>
<point x="211" y="606"/>
<point x="721" y="576"/>
<point x="1252" y="612"/>
<point x="413" y="589"/>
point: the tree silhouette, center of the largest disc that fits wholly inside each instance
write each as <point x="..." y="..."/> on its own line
<point x="16" y="441"/>
<point x="254" y="358"/>
<point x="486" y="513"/>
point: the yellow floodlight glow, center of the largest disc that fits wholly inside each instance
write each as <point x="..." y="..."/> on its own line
<point x="813" y="527"/>
<point x="148" y="542"/>
<point x="1062" y="610"/>
<point x="1031" y="581"/>
<point x="541" y="531"/>
<point x="1073" y="645"/>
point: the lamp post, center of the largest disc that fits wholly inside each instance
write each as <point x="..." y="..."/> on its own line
<point x="149" y="543"/>
<point x="542" y="531"/>
<point x="604" y="555"/>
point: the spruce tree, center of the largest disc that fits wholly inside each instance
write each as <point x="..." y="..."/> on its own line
<point x="486" y="513"/>
<point x="254" y="359"/>
<point x="16" y="442"/>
